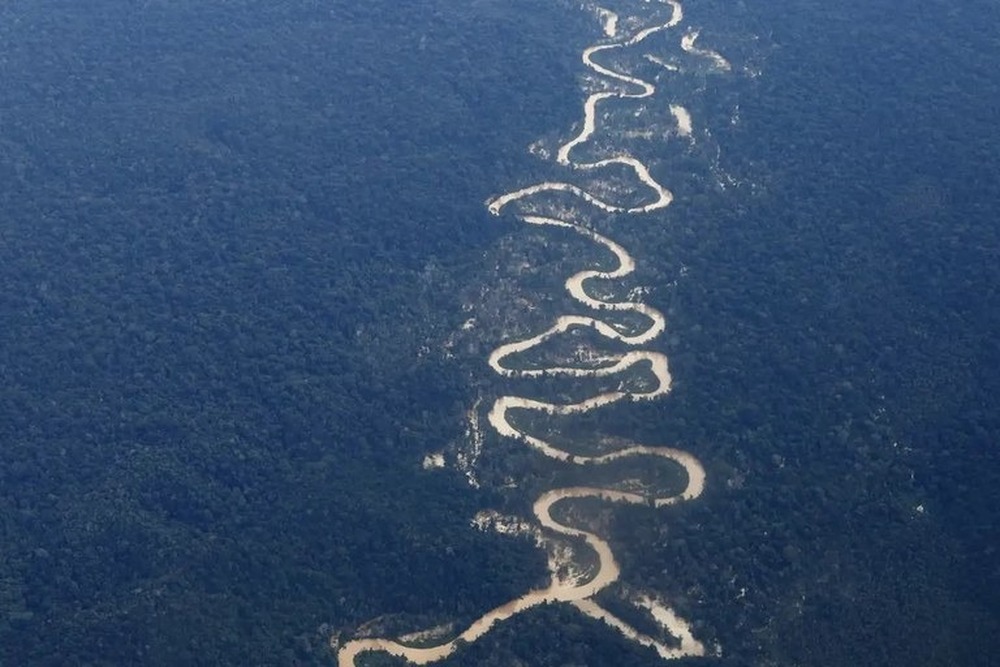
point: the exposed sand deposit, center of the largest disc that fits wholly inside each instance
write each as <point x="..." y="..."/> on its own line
<point x="571" y="582"/>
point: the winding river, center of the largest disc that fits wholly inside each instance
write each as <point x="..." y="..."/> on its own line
<point x="580" y="591"/>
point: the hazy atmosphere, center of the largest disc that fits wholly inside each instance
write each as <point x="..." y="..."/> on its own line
<point x="499" y="332"/>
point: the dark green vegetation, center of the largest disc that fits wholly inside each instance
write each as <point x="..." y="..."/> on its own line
<point x="837" y="346"/>
<point x="228" y="230"/>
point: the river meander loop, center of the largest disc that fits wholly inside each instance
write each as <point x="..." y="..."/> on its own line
<point x="580" y="591"/>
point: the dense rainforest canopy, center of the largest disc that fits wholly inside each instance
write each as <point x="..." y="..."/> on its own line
<point x="236" y="242"/>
